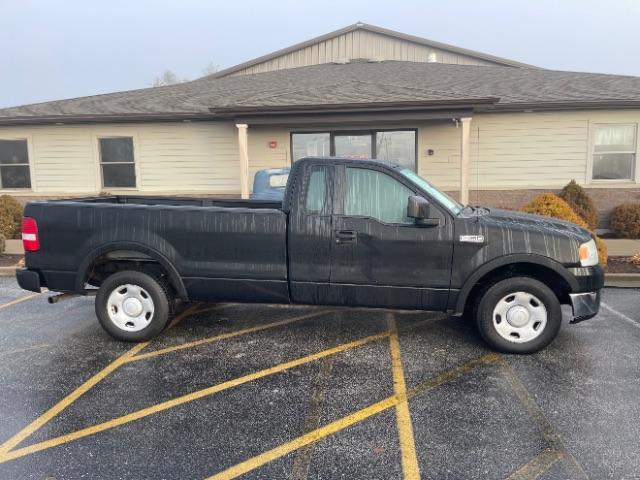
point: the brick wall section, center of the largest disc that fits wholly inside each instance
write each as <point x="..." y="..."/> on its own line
<point x="604" y="198"/>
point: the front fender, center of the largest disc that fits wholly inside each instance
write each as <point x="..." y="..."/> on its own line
<point x="524" y="258"/>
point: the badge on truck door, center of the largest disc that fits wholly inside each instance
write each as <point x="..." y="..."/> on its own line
<point x="472" y="238"/>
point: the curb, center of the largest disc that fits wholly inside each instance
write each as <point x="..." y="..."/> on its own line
<point x="622" y="280"/>
<point x="8" y="271"/>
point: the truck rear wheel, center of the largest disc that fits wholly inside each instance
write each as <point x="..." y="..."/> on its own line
<point x="519" y="315"/>
<point x="132" y="306"/>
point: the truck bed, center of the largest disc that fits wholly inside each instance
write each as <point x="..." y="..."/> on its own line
<point x="222" y="249"/>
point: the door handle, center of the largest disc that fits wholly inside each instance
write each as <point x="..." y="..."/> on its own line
<point x="346" y="236"/>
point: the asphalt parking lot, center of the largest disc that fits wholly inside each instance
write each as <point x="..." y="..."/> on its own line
<point x="298" y="392"/>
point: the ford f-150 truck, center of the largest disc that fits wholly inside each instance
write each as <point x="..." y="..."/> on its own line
<point x="347" y="232"/>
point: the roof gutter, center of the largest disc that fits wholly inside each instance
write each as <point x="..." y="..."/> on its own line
<point x="113" y="118"/>
<point x="379" y="107"/>
<point x="561" y="105"/>
<point x="483" y="105"/>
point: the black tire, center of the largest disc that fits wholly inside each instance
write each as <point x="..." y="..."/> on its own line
<point x="157" y="291"/>
<point x="502" y="289"/>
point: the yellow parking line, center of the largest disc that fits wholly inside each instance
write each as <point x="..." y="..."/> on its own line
<point x="68" y="400"/>
<point x="410" y="466"/>
<point x="212" y="308"/>
<point x="302" y="460"/>
<point x="537" y="465"/>
<point x="78" y="392"/>
<point x="416" y="325"/>
<point x="451" y="374"/>
<point x="10" y="455"/>
<point x="19" y="300"/>
<point x="311" y="437"/>
<point x="223" y="336"/>
<point x="339" y="425"/>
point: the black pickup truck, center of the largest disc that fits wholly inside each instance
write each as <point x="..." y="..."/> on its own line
<point x="347" y="232"/>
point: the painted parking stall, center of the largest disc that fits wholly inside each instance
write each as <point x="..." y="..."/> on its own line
<point x="257" y="391"/>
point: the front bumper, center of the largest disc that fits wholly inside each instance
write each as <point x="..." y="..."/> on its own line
<point x="585" y="299"/>
<point x="585" y="305"/>
<point x="589" y="279"/>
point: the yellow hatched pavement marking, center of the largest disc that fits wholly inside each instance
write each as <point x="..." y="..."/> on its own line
<point x="224" y="336"/>
<point x="410" y="466"/>
<point x="537" y="465"/>
<point x="78" y="392"/>
<point x="550" y="435"/>
<point x="352" y="419"/>
<point x="20" y="452"/>
<point x="19" y="300"/>
<point x="304" y="440"/>
<point x="68" y="400"/>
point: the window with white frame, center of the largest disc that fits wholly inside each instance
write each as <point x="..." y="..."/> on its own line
<point x="14" y="164"/>
<point x="614" y="152"/>
<point x="117" y="162"/>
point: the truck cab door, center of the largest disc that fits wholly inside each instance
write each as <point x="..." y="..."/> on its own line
<point x="381" y="257"/>
<point x="310" y="236"/>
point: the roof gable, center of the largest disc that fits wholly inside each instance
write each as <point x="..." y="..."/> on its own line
<point x="363" y="41"/>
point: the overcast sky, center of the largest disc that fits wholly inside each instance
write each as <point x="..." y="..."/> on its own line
<point x="70" y="48"/>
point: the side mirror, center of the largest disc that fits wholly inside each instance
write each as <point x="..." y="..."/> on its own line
<point x="419" y="209"/>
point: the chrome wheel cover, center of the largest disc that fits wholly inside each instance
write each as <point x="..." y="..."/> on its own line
<point x="130" y="307"/>
<point x="519" y="317"/>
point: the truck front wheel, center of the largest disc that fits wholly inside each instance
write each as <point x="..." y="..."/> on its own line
<point x="132" y="306"/>
<point x="519" y="315"/>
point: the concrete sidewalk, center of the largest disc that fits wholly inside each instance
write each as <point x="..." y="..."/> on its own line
<point x="622" y="247"/>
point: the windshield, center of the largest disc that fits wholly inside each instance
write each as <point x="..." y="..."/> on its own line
<point x="442" y="198"/>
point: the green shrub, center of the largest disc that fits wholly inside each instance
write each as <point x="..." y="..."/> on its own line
<point x="581" y="203"/>
<point x="3" y="243"/>
<point x="625" y="220"/>
<point x="550" y="205"/>
<point x="10" y="217"/>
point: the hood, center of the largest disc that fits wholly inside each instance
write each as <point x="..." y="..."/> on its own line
<point x="532" y="223"/>
<point x="505" y="232"/>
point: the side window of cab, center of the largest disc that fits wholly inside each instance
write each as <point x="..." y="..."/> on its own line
<point x="370" y="193"/>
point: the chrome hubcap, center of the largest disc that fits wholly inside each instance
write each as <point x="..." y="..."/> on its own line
<point x="519" y="317"/>
<point x="130" y="307"/>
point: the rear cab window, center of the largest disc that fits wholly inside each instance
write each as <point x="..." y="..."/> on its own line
<point x="316" y="200"/>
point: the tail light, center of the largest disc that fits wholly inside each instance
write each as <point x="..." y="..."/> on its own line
<point x="30" y="239"/>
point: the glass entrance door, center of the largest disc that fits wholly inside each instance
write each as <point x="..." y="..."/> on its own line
<point x="353" y="145"/>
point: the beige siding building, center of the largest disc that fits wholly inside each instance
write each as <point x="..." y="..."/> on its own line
<point x="490" y="130"/>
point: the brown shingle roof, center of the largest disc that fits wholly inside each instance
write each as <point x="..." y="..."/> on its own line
<point x="358" y="82"/>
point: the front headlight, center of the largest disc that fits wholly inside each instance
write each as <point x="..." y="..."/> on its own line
<point x="588" y="254"/>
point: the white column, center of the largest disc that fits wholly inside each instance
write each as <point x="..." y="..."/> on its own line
<point x="243" y="148"/>
<point x="465" y="145"/>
